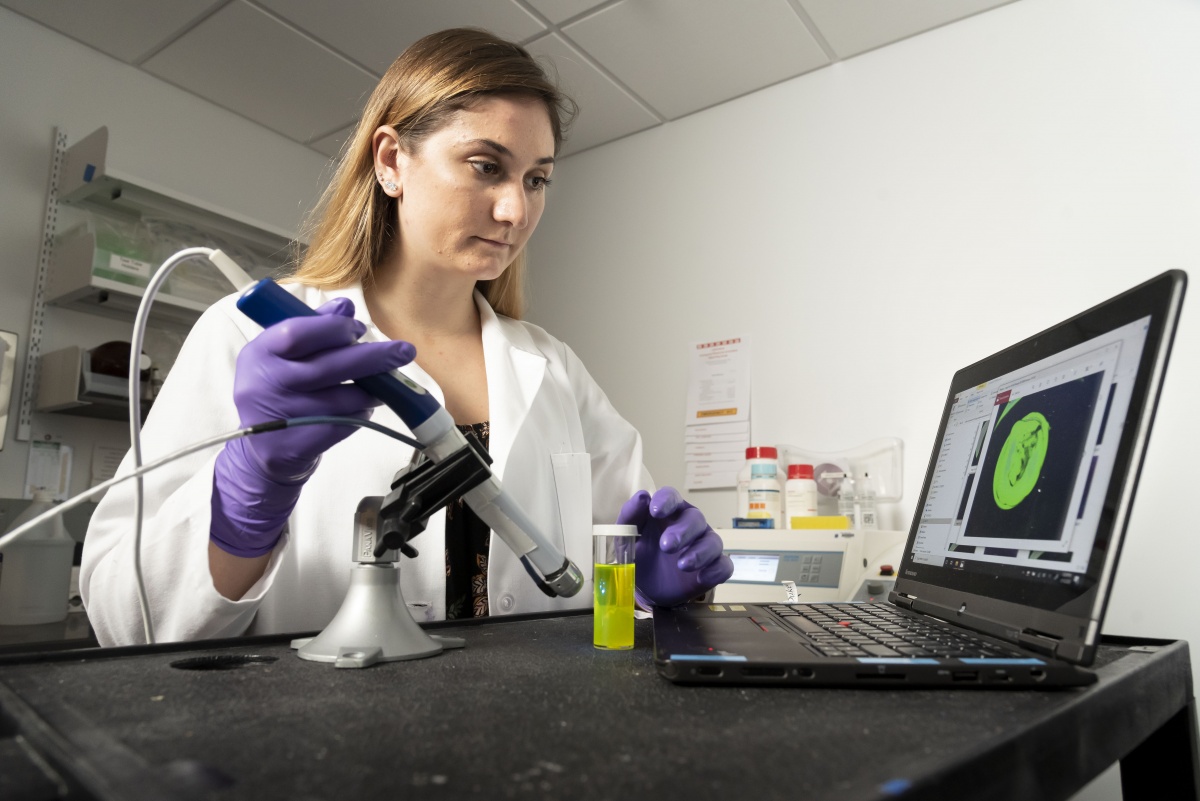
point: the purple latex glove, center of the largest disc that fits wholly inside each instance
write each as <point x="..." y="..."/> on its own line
<point x="297" y="368"/>
<point x="678" y="555"/>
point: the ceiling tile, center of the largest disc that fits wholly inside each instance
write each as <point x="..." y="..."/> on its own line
<point x="853" y="28"/>
<point x="332" y="145"/>
<point x="123" y="29"/>
<point x="606" y="111"/>
<point x="562" y="10"/>
<point x="247" y="61"/>
<point x="684" y="55"/>
<point x="374" y="32"/>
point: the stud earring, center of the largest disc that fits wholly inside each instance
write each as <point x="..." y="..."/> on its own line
<point x="389" y="186"/>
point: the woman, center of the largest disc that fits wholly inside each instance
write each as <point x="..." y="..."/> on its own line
<point x="420" y="243"/>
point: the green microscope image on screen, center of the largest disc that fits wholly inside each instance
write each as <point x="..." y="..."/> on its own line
<point x="1021" y="458"/>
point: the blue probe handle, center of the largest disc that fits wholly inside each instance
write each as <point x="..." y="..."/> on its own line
<point x="267" y="303"/>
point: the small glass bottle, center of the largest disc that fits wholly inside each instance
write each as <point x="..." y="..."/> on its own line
<point x="848" y="500"/>
<point x="868" y="515"/>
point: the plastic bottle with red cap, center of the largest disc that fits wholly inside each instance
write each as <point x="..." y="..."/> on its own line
<point x="754" y="455"/>
<point x="800" y="493"/>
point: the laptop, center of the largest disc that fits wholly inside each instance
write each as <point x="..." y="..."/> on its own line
<point x="1012" y="552"/>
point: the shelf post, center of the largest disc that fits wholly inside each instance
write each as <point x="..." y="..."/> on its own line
<point x="37" y="317"/>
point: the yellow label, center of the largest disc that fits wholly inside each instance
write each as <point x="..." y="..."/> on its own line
<point x="717" y="412"/>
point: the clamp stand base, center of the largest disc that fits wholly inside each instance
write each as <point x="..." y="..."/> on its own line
<point x="372" y="625"/>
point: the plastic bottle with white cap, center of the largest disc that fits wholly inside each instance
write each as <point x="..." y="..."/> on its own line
<point x="36" y="577"/>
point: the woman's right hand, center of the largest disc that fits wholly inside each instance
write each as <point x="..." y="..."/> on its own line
<point x="297" y="368"/>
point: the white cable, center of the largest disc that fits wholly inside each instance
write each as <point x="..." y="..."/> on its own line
<point x="236" y="276"/>
<point x="65" y="506"/>
<point x="260" y="428"/>
<point x="135" y="419"/>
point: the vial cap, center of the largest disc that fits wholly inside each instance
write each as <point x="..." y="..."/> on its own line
<point x="762" y="453"/>
<point x="800" y="471"/>
<point x="614" y="530"/>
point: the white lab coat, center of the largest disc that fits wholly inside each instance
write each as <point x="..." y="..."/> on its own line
<point x="558" y="445"/>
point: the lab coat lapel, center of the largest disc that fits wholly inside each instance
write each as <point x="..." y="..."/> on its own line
<point x="515" y="371"/>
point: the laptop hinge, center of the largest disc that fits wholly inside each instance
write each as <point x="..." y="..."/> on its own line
<point x="1036" y="641"/>
<point x="904" y="601"/>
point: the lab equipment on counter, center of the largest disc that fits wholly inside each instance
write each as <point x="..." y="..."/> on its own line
<point x="754" y="455"/>
<point x="36" y="576"/>
<point x="766" y="496"/>
<point x="800" y="495"/>
<point x="374" y="623"/>
<point x="821" y="564"/>
<point x="877" y="465"/>
<point x="856" y="500"/>
<point x="267" y="303"/>
<point x="93" y="381"/>
<point x="613" y="585"/>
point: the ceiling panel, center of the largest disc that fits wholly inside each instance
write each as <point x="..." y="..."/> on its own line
<point x="558" y="11"/>
<point x="681" y="56"/>
<point x="606" y="112"/>
<point x="244" y="60"/>
<point x="303" y="68"/>
<point x="124" y="29"/>
<point x="332" y="145"/>
<point x="374" y="32"/>
<point x="853" y="28"/>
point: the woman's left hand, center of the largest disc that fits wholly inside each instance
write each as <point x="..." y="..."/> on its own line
<point x="679" y="556"/>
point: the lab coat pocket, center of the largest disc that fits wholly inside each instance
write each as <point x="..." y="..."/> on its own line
<point x="573" y="485"/>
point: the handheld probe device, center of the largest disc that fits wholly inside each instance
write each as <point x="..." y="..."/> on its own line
<point x="267" y="303"/>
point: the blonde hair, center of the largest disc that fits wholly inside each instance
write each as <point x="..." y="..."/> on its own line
<point x="353" y="227"/>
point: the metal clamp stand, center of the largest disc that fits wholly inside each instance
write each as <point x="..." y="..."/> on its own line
<point x="374" y="623"/>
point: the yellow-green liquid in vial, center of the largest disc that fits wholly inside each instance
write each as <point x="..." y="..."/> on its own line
<point x="613" y="607"/>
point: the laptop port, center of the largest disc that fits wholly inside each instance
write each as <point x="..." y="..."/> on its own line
<point x="965" y="675"/>
<point x="765" y="672"/>
<point x="708" y="670"/>
<point x="1037" y="674"/>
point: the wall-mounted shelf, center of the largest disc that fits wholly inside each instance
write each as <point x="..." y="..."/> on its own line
<point x="67" y="386"/>
<point x="74" y="285"/>
<point x="82" y="177"/>
<point x="89" y="181"/>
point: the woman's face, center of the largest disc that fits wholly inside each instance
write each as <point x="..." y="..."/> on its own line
<point x="473" y="192"/>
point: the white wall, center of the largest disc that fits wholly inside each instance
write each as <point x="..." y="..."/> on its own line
<point x="156" y="132"/>
<point x="876" y="225"/>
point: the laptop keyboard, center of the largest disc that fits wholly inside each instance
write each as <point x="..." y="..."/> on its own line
<point x="882" y="630"/>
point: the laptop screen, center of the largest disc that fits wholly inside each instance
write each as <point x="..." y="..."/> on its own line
<point x="1026" y="482"/>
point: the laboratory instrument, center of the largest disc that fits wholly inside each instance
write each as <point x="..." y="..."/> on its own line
<point x="267" y="303"/>
<point x="373" y="624"/>
<point x="878" y="464"/>
<point x="819" y="564"/>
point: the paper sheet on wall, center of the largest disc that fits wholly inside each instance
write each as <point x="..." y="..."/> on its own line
<point x="717" y="429"/>
<point x="49" y="468"/>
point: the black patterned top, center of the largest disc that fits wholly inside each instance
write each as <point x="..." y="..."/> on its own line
<point x="467" y="543"/>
